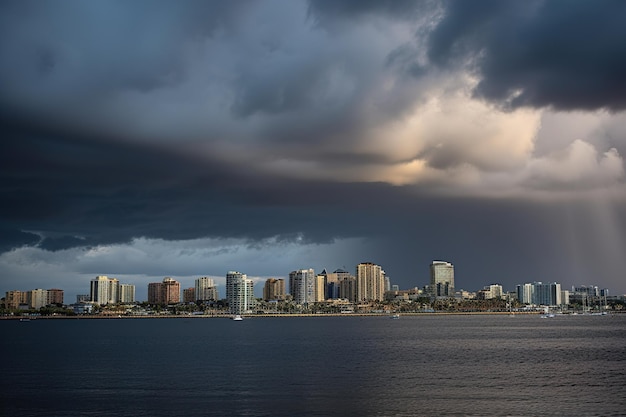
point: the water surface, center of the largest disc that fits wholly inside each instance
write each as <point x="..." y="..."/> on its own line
<point x="316" y="366"/>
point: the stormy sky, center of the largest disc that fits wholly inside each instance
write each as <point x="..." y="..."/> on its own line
<point x="147" y="139"/>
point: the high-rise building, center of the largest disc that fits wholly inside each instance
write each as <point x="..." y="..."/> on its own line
<point x="105" y="290"/>
<point x="99" y="290"/>
<point x="347" y="287"/>
<point x="442" y="279"/>
<point x="539" y="293"/>
<point x="547" y="294"/>
<point x="155" y="293"/>
<point x="333" y="280"/>
<point x="239" y="292"/>
<point x="302" y="286"/>
<point x="55" y="296"/>
<point x="13" y="299"/>
<point x="38" y="298"/>
<point x="591" y="290"/>
<point x="526" y="293"/>
<point x="189" y="295"/>
<point x="490" y="292"/>
<point x="274" y="289"/>
<point x="206" y="289"/>
<point x="127" y="293"/>
<point x="171" y="291"/>
<point x="370" y="282"/>
<point x="320" y="288"/>
<point x="166" y="292"/>
<point x="114" y="290"/>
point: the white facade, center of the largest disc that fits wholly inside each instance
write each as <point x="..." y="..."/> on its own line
<point x="302" y="286"/>
<point x="526" y="293"/>
<point x="492" y="291"/>
<point x="105" y="290"/>
<point x="205" y="289"/>
<point x="38" y="298"/>
<point x="239" y="292"/>
<point x="99" y="291"/>
<point x="127" y="293"/>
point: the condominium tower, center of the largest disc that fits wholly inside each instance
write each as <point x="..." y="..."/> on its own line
<point x="539" y="293"/>
<point x="340" y="284"/>
<point x="302" y="286"/>
<point x="370" y="282"/>
<point x="442" y="279"/>
<point x="206" y="289"/>
<point x="166" y="292"/>
<point x="55" y="296"/>
<point x="127" y="293"/>
<point x="274" y="289"/>
<point x="104" y="290"/>
<point x="239" y="292"/>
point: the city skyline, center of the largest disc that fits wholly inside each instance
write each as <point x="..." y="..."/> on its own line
<point x="304" y="287"/>
<point x="150" y="139"/>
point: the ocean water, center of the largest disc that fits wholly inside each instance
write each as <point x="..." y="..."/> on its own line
<point x="319" y="366"/>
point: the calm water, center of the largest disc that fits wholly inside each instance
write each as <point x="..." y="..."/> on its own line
<point x="326" y="366"/>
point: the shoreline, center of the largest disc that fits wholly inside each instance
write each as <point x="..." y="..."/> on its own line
<point x="273" y="315"/>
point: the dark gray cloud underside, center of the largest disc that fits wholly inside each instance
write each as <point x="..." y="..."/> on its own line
<point x="82" y="192"/>
<point x="566" y="55"/>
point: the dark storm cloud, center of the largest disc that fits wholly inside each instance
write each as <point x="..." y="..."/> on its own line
<point x="562" y="54"/>
<point x="170" y="120"/>
<point x="104" y="45"/>
<point x="331" y="10"/>
<point x="83" y="192"/>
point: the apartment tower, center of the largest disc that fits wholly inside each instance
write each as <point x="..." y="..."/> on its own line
<point x="274" y="289"/>
<point x="206" y="289"/>
<point x="104" y="290"/>
<point x="442" y="279"/>
<point x="302" y="286"/>
<point x="370" y="282"/>
<point x="239" y="292"/>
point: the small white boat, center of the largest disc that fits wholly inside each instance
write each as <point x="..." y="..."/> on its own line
<point x="395" y="316"/>
<point x="237" y="318"/>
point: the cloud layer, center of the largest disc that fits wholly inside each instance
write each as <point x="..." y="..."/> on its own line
<point x="309" y="122"/>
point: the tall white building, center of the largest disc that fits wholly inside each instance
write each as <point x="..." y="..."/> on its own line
<point x="442" y="279"/>
<point x="239" y="292"/>
<point x="127" y="293"/>
<point x="38" y="298"/>
<point x="526" y="293"/>
<point x="302" y="286"/>
<point x="370" y="282"/>
<point x="105" y="290"/>
<point x="205" y="289"/>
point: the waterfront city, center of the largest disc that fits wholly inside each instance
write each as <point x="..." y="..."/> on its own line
<point x="366" y="291"/>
